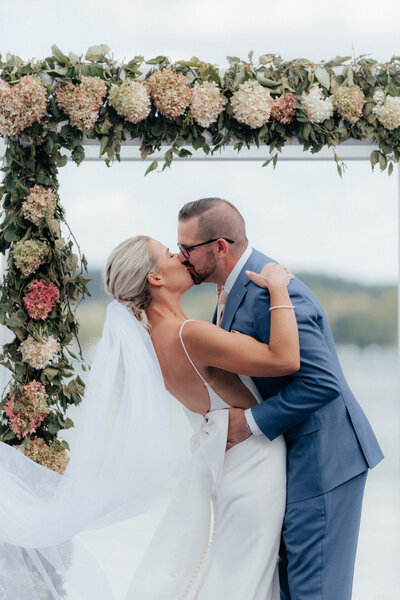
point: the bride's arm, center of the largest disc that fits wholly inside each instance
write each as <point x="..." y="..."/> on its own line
<point x="210" y="345"/>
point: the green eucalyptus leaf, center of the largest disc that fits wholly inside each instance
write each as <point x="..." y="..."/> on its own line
<point x="103" y="145"/>
<point x="151" y="167"/>
<point x="11" y="235"/>
<point x="78" y="154"/>
<point x="194" y="62"/>
<point x="13" y="322"/>
<point x="338" y="60"/>
<point x="62" y="59"/>
<point x="392" y="89"/>
<point x="382" y="161"/>
<point x="10" y="435"/>
<point x="52" y="427"/>
<point x="50" y="372"/>
<point x="323" y="77"/>
<point x="264" y="60"/>
<point x="156" y="61"/>
<point x="374" y="158"/>
<point x="90" y="70"/>
<point x="74" y="58"/>
<point x="97" y="53"/>
<point x="265" y="81"/>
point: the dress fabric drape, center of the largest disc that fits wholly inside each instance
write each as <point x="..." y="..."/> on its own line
<point x="220" y="535"/>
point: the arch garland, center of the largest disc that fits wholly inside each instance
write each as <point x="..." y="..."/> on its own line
<point x="46" y="108"/>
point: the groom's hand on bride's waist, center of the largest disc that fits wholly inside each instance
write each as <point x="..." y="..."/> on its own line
<point x="237" y="430"/>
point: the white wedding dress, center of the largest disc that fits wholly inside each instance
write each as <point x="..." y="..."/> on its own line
<point x="220" y="535"/>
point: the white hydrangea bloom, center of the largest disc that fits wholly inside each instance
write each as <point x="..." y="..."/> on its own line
<point x="207" y="103"/>
<point x="389" y="112"/>
<point x="379" y="96"/>
<point x="39" y="354"/>
<point x="252" y="104"/>
<point x="131" y="100"/>
<point x="316" y="106"/>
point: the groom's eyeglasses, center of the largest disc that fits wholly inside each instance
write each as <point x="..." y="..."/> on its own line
<point x="186" y="250"/>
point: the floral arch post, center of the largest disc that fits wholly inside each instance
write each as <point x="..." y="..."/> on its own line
<point x="48" y="108"/>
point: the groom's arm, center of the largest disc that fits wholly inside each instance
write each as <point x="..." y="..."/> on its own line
<point x="310" y="388"/>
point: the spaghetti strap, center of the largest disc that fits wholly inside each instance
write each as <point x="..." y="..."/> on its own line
<point x="187" y="354"/>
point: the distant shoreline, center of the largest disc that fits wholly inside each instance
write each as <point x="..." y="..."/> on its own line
<point x="358" y="313"/>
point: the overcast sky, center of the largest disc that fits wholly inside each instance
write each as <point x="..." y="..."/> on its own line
<point x="303" y="214"/>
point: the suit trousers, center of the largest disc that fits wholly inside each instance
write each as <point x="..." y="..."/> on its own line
<point x="319" y="543"/>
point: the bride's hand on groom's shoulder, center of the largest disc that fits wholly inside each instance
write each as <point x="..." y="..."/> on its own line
<point x="271" y="275"/>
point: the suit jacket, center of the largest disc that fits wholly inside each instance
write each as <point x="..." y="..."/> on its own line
<point x="328" y="436"/>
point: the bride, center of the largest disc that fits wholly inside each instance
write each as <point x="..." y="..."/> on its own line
<point x="220" y="535"/>
<point x="247" y="484"/>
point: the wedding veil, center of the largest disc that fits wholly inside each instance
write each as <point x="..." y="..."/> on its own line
<point x="120" y="460"/>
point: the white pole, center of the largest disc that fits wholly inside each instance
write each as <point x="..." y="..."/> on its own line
<point x="398" y="258"/>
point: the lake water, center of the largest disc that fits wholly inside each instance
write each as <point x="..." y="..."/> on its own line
<point x="373" y="376"/>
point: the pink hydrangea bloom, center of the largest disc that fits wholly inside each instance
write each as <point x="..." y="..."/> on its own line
<point x="282" y="109"/>
<point x="27" y="409"/>
<point x="39" y="200"/>
<point x="82" y="102"/>
<point x="40" y="298"/>
<point x="169" y="92"/>
<point x="21" y="104"/>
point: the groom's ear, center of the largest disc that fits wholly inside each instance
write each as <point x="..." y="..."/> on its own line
<point x="155" y="279"/>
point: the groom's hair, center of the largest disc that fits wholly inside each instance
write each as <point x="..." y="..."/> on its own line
<point x="216" y="218"/>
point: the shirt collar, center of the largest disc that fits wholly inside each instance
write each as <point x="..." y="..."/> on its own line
<point x="233" y="275"/>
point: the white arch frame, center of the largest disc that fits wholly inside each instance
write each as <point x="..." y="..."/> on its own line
<point x="351" y="150"/>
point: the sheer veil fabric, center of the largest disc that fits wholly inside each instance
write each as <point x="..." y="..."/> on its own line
<point x="121" y="458"/>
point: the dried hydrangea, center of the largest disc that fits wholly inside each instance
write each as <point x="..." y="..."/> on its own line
<point x="21" y="104"/>
<point x="348" y="101"/>
<point x="26" y="410"/>
<point x="207" y="103"/>
<point x="169" y="92"/>
<point x="131" y="100"/>
<point x="29" y="255"/>
<point x="317" y="108"/>
<point x="39" y="201"/>
<point x="53" y="457"/>
<point x="40" y="298"/>
<point x="82" y="102"/>
<point x="282" y="109"/>
<point x="388" y="112"/>
<point x="379" y="96"/>
<point x="252" y="104"/>
<point x="39" y="354"/>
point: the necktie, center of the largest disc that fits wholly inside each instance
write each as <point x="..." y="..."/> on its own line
<point x="221" y="306"/>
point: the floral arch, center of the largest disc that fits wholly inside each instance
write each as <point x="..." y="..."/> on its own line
<point x="50" y="107"/>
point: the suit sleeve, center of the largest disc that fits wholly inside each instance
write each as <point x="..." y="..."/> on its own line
<point x="310" y="388"/>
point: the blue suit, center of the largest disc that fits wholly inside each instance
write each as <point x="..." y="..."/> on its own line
<point x="330" y="443"/>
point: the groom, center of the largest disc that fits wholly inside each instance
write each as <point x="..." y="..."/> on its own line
<point x="329" y="440"/>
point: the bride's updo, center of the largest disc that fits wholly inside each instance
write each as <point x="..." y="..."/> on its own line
<point x="125" y="277"/>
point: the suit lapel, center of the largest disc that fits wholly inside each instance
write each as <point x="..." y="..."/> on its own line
<point x="238" y="291"/>
<point x="214" y="319"/>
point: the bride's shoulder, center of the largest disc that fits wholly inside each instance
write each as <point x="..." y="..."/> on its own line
<point x="196" y="332"/>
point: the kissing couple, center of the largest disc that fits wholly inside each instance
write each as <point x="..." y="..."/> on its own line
<point x="270" y="504"/>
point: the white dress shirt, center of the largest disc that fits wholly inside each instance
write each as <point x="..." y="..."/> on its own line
<point x="228" y="285"/>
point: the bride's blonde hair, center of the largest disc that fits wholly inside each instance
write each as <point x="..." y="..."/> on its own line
<point x="125" y="277"/>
